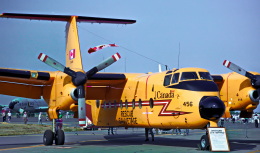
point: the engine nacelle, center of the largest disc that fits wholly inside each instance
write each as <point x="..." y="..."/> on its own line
<point x="253" y="94"/>
<point x="245" y="99"/>
<point x="237" y="92"/>
<point x="67" y="97"/>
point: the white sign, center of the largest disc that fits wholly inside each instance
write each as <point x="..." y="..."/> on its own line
<point x="218" y="139"/>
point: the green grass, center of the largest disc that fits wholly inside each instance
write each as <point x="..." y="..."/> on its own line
<point x="7" y="129"/>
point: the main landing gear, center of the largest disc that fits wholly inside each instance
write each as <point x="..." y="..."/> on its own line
<point x="58" y="136"/>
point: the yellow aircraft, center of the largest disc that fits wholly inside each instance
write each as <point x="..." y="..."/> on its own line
<point x="186" y="98"/>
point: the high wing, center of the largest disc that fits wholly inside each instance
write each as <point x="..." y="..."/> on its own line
<point x="30" y="84"/>
<point x="101" y="84"/>
<point x="24" y="83"/>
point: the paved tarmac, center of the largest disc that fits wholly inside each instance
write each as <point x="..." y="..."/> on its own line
<point x="243" y="138"/>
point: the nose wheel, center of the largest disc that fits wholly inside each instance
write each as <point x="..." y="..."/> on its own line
<point x="204" y="142"/>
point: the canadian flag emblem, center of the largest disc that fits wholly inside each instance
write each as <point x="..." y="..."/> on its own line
<point x="72" y="54"/>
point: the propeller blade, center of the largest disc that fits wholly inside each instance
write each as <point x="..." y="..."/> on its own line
<point x="239" y="70"/>
<point x="51" y="62"/>
<point x="55" y="64"/>
<point x="81" y="105"/>
<point x="107" y="62"/>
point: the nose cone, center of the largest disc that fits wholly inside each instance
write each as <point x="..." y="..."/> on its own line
<point x="11" y="105"/>
<point x="211" y="108"/>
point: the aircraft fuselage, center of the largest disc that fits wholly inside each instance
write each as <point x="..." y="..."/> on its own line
<point x="147" y="101"/>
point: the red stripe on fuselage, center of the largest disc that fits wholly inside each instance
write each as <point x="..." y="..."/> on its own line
<point x="163" y="103"/>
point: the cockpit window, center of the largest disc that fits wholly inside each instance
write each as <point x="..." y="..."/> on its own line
<point x="167" y="80"/>
<point x="189" y="75"/>
<point x="205" y="75"/>
<point x="175" y="78"/>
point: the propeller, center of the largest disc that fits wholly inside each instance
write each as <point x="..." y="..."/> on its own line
<point x="79" y="79"/>
<point x="255" y="79"/>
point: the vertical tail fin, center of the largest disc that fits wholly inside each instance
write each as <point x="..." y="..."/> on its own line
<point x="73" y="54"/>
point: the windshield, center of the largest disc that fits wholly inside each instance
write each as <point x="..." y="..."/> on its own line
<point x="205" y="75"/>
<point x="175" y="78"/>
<point x="189" y="76"/>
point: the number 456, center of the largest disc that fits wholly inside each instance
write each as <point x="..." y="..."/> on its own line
<point x="188" y="104"/>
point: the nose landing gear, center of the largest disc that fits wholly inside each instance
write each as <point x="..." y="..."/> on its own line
<point x="204" y="142"/>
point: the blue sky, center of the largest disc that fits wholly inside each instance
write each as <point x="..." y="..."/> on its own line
<point x="208" y="33"/>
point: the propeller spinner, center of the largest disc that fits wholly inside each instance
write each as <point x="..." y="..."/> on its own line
<point x="79" y="79"/>
<point x="255" y="79"/>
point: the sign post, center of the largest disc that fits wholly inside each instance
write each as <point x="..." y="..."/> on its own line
<point x="218" y="139"/>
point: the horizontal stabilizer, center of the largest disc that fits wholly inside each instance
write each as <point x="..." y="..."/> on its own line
<point x="66" y="18"/>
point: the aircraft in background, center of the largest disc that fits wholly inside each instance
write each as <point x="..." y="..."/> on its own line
<point x="185" y="98"/>
<point x="19" y="105"/>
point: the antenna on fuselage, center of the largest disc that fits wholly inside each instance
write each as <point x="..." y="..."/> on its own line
<point x="160" y="68"/>
<point x="166" y="67"/>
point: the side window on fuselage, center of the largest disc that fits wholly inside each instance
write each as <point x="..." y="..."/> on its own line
<point x="167" y="80"/>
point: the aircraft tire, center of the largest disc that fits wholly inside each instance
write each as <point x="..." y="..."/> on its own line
<point x="48" y="138"/>
<point x="59" y="137"/>
<point x="204" y="142"/>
